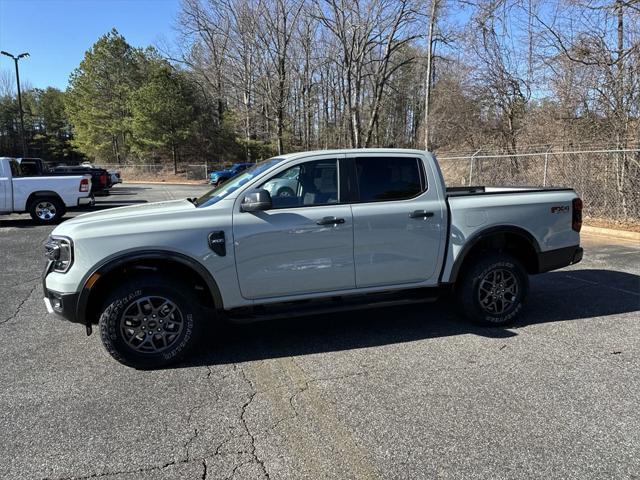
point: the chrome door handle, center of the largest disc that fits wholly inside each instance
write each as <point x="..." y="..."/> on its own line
<point x="420" y="214"/>
<point x="330" y="221"/>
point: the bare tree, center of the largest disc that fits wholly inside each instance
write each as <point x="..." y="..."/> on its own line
<point x="278" y="24"/>
<point x="7" y="83"/>
<point x="369" y="34"/>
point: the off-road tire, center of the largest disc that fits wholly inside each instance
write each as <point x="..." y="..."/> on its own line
<point x="127" y="298"/>
<point x="55" y="214"/>
<point x="475" y="303"/>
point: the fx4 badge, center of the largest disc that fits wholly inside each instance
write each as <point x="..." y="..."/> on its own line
<point x="560" y="209"/>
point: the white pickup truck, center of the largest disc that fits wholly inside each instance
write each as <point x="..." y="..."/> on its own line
<point x="46" y="198"/>
<point x="355" y="228"/>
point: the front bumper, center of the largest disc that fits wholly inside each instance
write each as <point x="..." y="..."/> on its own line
<point x="561" y="257"/>
<point x="64" y="305"/>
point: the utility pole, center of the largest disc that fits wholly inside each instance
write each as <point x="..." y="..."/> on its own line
<point x="15" y="60"/>
<point x="427" y="96"/>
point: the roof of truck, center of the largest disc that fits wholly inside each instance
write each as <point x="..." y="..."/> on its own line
<point x="353" y="150"/>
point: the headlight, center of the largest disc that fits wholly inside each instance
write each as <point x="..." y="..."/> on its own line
<point x="59" y="250"/>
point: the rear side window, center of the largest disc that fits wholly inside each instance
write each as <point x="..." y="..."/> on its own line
<point x="388" y="178"/>
<point x="15" y="168"/>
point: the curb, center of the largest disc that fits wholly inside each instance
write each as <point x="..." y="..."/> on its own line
<point x="204" y="184"/>
<point x="609" y="232"/>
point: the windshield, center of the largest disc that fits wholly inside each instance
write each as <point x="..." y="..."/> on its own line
<point x="220" y="192"/>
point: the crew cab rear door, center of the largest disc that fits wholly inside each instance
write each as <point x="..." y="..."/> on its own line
<point x="399" y="219"/>
<point x="304" y="244"/>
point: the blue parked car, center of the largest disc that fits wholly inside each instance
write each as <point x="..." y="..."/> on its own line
<point x="221" y="176"/>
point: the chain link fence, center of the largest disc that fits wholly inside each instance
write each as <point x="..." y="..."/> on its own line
<point x="155" y="172"/>
<point x="608" y="181"/>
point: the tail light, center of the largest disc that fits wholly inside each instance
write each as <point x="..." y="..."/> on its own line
<point x="84" y="185"/>
<point x="103" y="179"/>
<point x="576" y="219"/>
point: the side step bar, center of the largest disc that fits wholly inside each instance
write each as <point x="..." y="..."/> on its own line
<point x="334" y="305"/>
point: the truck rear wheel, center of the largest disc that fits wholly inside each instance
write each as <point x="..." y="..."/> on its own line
<point x="493" y="289"/>
<point x="150" y="322"/>
<point x="46" y="209"/>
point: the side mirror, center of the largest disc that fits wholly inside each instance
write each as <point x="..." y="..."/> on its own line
<point x="256" y="201"/>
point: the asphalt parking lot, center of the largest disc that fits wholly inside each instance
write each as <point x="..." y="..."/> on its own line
<point x="412" y="392"/>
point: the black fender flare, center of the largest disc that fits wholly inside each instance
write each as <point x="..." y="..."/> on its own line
<point x="114" y="261"/>
<point x="489" y="232"/>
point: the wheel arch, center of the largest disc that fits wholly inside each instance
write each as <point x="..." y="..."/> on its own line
<point x="511" y="239"/>
<point x="97" y="282"/>
<point x="42" y="194"/>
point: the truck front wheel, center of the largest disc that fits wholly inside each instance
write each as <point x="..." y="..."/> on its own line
<point x="150" y="322"/>
<point x="493" y="289"/>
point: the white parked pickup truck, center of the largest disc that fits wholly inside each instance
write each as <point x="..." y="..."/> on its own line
<point x="359" y="228"/>
<point x="46" y="198"/>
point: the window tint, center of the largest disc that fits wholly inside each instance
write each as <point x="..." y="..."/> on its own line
<point x="392" y="178"/>
<point x="306" y="184"/>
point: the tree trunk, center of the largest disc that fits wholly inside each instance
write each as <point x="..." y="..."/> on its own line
<point x="174" y="156"/>
<point x="117" y="150"/>
<point x="281" y="99"/>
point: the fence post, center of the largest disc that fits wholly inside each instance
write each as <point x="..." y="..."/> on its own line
<point x="546" y="163"/>
<point x="471" y="162"/>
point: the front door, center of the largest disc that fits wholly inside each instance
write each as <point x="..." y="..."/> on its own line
<point x="398" y="220"/>
<point x="304" y="244"/>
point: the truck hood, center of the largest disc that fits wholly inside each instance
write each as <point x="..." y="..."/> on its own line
<point x="128" y="214"/>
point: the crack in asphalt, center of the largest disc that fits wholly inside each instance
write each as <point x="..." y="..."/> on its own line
<point x="301" y="388"/>
<point x="192" y="411"/>
<point x="17" y="311"/>
<point x="205" y="469"/>
<point x="24" y="282"/>
<point x="246" y="426"/>
<point x="311" y="381"/>
<point x="125" y="472"/>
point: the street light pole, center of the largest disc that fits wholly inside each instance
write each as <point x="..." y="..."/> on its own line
<point x="15" y="60"/>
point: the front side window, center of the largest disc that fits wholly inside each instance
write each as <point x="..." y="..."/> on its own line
<point x="388" y="178"/>
<point x="225" y="189"/>
<point x="306" y="184"/>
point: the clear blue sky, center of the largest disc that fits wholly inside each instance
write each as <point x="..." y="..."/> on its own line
<point x="57" y="32"/>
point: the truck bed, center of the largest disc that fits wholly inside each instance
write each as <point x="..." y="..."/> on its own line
<point x="484" y="190"/>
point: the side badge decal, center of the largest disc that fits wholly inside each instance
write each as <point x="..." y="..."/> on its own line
<point x="560" y="209"/>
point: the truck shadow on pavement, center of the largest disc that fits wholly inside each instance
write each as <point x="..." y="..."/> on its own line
<point x="554" y="297"/>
